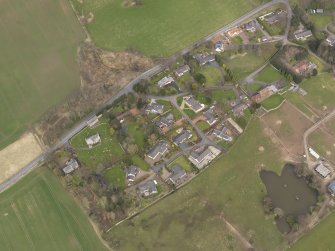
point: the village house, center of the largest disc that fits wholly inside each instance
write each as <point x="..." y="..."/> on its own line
<point x="148" y="188"/>
<point x="93" y="140"/>
<point x="272" y="17"/>
<point x="204" y="59"/>
<point x="235" y="31"/>
<point x="331" y="40"/>
<point x="223" y="133"/>
<point x="158" y="150"/>
<point x="192" y="103"/>
<point x="264" y="93"/>
<point x="304" y="67"/>
<point x="154" y="108"/>
<point x="165" y="81"/>
<point x="203" y="156"/>
<point x="235" y="126"/>
<point x="70" y="166"/>
<point x="165" y="121"/>
<point x="219" y="46"/>
<point x="322" y="170"/>
<point x="131" y="172"/>
<point x="182" y="137"/>
<point x="331" y="188"/>
<point x="182" y="70"/>
<point x="210" y="117"/>
<point x="251" y="26"/>
<point x="302" y="35"/>
<point x="177" y="176"/>
<point x="239" y="109"/>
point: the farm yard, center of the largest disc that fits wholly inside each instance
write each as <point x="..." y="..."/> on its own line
<point x="289" y="125"/>
<point x="38" y="214"/>
<point x="158" y="27"/>
<point x="190" y="217"/>
<point x="38" y="61"/>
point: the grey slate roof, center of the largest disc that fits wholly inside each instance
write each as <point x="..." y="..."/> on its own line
<point x="177" y="174"/>
<point x="193" y="103"/>
<point x="209" y="115"/>
<point x="158" y="150"/>
<point x="303" y="34"/>
<point x="131" y="172"/>
<point x="199" y="157"/>
<point x="182" y="137"/>
<point x="182" y="70"/>
<point x="70" y="166"/>
<point x="165" y="81"/>
<point x="165" y="121"/>
<point x="222" y="134"/>
<point x="154" y="108"/>
<point x="147" y="188"/>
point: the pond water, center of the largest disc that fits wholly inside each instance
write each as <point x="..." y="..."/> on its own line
<point x="288" y="192"/>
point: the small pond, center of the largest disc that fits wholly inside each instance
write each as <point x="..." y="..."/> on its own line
<point x="288" y="192"/>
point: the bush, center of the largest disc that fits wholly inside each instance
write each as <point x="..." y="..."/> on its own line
<point x="200" y="78"/>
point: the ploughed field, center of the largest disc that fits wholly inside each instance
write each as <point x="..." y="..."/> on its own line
<point x="38" y="64"/>
<point x="157" y="27"/>
<point x="38" y="214"/>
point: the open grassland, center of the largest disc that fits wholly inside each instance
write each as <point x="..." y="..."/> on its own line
<point x="38" y="61"/>
<point x="323" y="143"/>
<point x="189" y="218"/>
<point x="106" y="152"/>
<point x="321" y="238"/>
<point x="38" y="214"/>
<point x="272" y="102"/>
<point x="269" y="75"/>
<point x="158" y="27"/>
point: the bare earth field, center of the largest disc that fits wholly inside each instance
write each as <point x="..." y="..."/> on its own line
<point x="39" y="40"/>
<point x="17" y="155"/>
<point x="289" y="125"/>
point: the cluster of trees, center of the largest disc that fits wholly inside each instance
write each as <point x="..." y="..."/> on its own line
<point x="323" y="50"/>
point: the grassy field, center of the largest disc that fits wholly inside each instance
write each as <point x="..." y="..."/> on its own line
<point x="212" y="74"/>
<point x="272" y="102"/>
<point x="220" y="95"/>
<point x="321" y="238"/>
<point x="38" y="61"/>
<point x="116" y="176"/>
<point x="107" y="151"/>
<point x="189" y="219"/>
<point x="139" y="162"/>
<point x="269" y="75"/>
<point x="158" y="27"/>
<point x="38" y="214"/>
<point x="323" y="143"/>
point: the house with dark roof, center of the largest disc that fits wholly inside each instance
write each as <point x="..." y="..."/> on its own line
<point x="93" y="140"/>
<point x="165" y="81"/>
<point x="302" y="35"/>
<point x="165" y="121"/>
<point x="251" y="26"/>
<point x="192" y="103"/>
<point x="182" y="70"/>
<point x="158" y="150"/>
<point x="331" y="187"/>
<point x="182" y="137"/>
<point x="203" y="156"/>
<point x="70" y="166"/>
<point x="239" y="109"/>
<point x="322" y="170"/>
<point x="210" y="116"/>
<point x="223" y="134"/>
<point x="204" y="59"/>
<point x="331" y="40"/>
<point x="148" y="188"/>
<point x="131" y="172"/>
<point x="154" y="108"/>
<point x="177" y="176"/>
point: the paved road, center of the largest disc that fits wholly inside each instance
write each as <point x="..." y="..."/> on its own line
<point x="128" y="88"/>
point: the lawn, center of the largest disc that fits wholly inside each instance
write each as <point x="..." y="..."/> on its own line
<point x="38" y="214"/>
<point x="202" y="125"/>
<point x="319" y="21"/>
<point x="213" y="75"/>
<point x="139" y="162"/>
<point x="320" y="238"/>
<point x="158" y="27"/>
<point x="38" y="64"/>
<point x="116" y="176"/>
<point x="134" y="131"/>
<point x="189" y="218"/>
<point x="272" y="102"/>
<point x="269" y="75"/>
<point x="323" y="143"/>
<point x="183" y="162"/>
<point x="254" y="87"/>
<point x="105" y="153"/>
<point x="220" y="95"/>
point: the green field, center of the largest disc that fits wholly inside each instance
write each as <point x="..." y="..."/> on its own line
<point x="189" y="218"/>
<point x="108" y="151"/>
<point x="321" y="238"/>
<point x="38" y="64"/>
<point x="38" y="214"/>
<point x="158" y="27"/>
<point x="272" y="102"/>
<point x="269" y="75"/>
<point x="139" y="162"/>
<point x="213" y="75"/>
<point x="323" y="143"/>
<point x="116" y="176"/>
<point x="203" y="125"/>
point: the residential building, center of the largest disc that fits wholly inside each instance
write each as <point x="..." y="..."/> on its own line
<point x="238" y="129"/>
<point x="210" y="117"/>
<point x="223" y="133"/>
<point x="331" y="187"/>
<point x="302" y="34"/>
<point x="203" y="156"/>
<point x="182" y="137"/>
<point x="304" y="67"/>
<point x="264" y="93"/>
<point x="192" y="103"/>
<point x="239" y="109"/>
<point x="154" y="108"/>
<point x="165" y="81"/>
<point x="148" y="188"/>
<point x="182" y="70"/>
<point x="131" y="172"/>
<point x="322" y="170"/>
<point x="70" y="166"/>
<point x="158" y="150"/>
<point x="204" y="59"/>
<point x="219" y="46"/>
<point x="251" y="26"/>
<point x="331" y="40"/>
<point x="93" y="140"/>
<point x="165" y="121"/>
<point x="235" y="31"/>
<point x="177" y="176"/>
